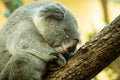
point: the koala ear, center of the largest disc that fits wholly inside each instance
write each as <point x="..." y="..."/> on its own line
<point x="53" y="13"/>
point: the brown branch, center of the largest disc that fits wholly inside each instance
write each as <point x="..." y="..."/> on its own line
<point x="105" y="10"/>
<point x="92" y="57"/>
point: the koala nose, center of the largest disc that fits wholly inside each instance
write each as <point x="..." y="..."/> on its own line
<point x="72" y="45"/>
<point x="67" y="48"/>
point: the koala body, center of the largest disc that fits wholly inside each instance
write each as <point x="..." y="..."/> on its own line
<point x="35" y="35"/>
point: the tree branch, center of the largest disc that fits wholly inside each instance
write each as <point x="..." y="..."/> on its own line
<point x="92" y="57"/>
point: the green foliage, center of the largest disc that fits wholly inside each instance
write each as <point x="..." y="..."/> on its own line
<point x="90" y="35"/>
<point x="116" y="1"/>
<point x="11" y="6"/>
<point x="106" y="20"/>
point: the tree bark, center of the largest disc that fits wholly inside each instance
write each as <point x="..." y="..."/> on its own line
<point x="92" y="57"/>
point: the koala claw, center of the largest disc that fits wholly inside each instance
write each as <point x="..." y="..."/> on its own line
<point x="56" y="63"/>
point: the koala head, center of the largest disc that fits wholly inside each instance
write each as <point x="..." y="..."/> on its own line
<point x="58" y="27"/>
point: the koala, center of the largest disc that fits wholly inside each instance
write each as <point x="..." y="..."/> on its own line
<point x="37" y="37"/>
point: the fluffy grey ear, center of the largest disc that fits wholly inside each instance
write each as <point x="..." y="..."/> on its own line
<point x="52" y="12"/>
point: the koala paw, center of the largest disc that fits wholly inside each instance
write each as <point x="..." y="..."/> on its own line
<point x="56" y="63"/>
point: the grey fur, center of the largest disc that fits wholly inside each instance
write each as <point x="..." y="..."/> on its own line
<point x="34" y="37"/>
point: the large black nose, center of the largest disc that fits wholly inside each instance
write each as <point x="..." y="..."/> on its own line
<point x="72" y="45"/>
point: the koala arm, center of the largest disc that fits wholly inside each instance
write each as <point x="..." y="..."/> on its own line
<point x="30" y="54"/>
<point x="26" y="38"/>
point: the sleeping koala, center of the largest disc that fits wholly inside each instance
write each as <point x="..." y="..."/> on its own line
<point x="37" y="37"/>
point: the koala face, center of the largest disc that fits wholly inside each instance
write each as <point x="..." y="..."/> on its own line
<point x="58" y="27"/>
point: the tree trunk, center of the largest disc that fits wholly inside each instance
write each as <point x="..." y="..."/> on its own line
<point x="92" y="57"/>
<point x="105" y="10"/>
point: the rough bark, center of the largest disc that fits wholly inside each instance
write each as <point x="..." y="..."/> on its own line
<point x="92" y="57"/>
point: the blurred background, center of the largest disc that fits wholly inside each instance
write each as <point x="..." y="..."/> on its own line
<point x="92" y="16"/>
